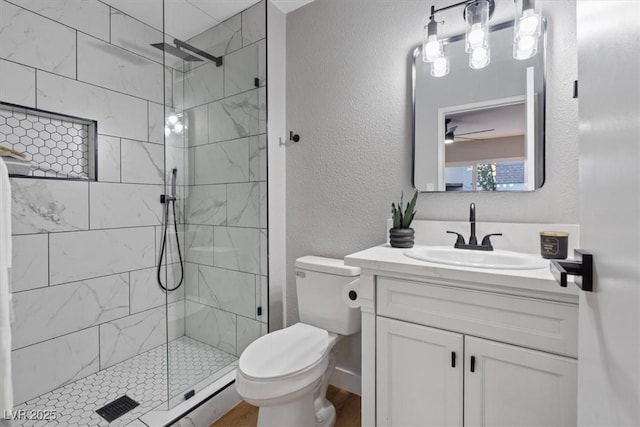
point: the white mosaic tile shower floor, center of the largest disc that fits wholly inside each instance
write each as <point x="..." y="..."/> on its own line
<point x="143" y="378"/>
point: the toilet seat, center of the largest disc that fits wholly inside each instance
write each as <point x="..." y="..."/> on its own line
<point x="285" y="352"/>
<point x="283" y="362"/>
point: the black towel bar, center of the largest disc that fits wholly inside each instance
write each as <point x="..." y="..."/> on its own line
<point x="581" y="267"/>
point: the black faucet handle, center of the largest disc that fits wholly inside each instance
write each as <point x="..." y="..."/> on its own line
<point x="459" y="240"/>
<point x="486" y="240"/>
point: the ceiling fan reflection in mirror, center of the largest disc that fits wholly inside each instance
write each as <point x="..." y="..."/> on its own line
<point x="450" y="133"/>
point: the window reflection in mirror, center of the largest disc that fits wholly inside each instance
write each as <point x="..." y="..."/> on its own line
<point x="485" y="148"/>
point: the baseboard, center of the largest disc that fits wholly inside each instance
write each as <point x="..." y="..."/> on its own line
<point x="346" y="380"/>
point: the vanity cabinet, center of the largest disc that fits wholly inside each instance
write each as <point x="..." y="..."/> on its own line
<point x="515" y="386"/>
<point x="456" y="347"/>
<point x="422" y="372"/>
<point x="419" y="375"/>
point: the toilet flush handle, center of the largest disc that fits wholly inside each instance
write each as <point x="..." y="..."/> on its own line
<point x="301" y="274"/>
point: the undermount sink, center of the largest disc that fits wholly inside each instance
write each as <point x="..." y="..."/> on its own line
<point x="501" y="260"/>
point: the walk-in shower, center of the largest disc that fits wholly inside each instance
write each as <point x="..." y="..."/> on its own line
<point x="127" y="308"/>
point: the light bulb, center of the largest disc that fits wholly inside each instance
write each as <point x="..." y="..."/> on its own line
<point x="479" y="54"/>
<point x="526" y="43"/>
<point x="172" y="119"/>
<point x="432" y="49"/>
<point x="178" y="127"/>
<point x="525" y="48"/>
<point x="524" y="54"/>
<point x="440" y="67"/>
<point x="479" y="58"/>
<point x="476" y="36"/>
<point x="528" y="23"/>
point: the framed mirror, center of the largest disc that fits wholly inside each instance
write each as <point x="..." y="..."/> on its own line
<point x="482" y="129"/>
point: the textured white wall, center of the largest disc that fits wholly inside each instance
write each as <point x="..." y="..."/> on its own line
<point x="349" y="98"/>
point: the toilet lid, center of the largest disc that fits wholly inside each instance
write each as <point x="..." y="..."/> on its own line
<point x="284" y="352"/>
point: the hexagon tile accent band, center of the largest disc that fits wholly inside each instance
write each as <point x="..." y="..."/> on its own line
<point x="57" y="146"/>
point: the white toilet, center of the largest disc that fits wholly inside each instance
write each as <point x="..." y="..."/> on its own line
<point x="286" y="373"/>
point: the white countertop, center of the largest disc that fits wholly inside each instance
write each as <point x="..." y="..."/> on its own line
<point x="538" y="283"/>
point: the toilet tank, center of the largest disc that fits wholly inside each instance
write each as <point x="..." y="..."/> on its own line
<point x="319" y="283"/>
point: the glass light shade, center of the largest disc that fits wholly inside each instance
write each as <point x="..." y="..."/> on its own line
<point x="432" y="46"/>
<point x="172" y="119"/>
<point x="178" y="127"/>
<point x="440" y="66"/>
<point x="477" y="29"/>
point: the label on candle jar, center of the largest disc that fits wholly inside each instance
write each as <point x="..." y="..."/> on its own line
<point x="550" y="245"/>
<point x="553" y="245"/>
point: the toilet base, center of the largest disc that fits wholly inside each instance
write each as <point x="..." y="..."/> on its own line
<point x="327" y="417"/>
<point x="325" y="411"/>
<point x="297" y="413"/>
<point x="309" y="407"/>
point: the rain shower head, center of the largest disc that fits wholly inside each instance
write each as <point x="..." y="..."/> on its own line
<point x="176" y="52"/>
<point x="179" y="51"/>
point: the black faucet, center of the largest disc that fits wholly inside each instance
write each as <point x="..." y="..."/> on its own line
<point x="473" y="240"/>
<point x="472" y="219"/>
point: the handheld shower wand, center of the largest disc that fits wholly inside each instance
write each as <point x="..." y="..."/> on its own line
<point x="166" y="200"/>
<point x="171" y="197"/>
<point x="174" y="178"/>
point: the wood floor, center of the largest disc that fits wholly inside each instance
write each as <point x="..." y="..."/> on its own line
<point x="347" y="411"/>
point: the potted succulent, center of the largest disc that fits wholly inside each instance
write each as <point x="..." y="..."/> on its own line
<point x="401" y="235"/>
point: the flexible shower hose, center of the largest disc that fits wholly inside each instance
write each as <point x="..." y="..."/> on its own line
<point x="164" y="242"/>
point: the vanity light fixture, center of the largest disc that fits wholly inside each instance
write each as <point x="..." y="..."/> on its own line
<point x="432" y="46"/>
<point x="477" y="13"/>
<point x="433" y="50"/>
<point x="477" y="34"/>
<point x="527" y="29"/>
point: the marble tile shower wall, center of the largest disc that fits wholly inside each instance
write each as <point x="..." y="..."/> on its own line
<point x="85" y="295"/>
<point x="225" y="211"/>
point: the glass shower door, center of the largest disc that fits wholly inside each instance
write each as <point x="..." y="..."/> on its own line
<point x="215" y="136"/>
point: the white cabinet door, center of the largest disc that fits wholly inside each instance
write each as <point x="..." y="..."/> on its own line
<point x="513" y="386"/>
<point x="418" y="383"/>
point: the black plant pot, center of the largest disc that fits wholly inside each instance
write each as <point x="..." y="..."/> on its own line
<point x="401" y="237"/>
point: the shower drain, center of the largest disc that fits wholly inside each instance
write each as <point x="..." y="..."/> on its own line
<point x="117" y="408"/>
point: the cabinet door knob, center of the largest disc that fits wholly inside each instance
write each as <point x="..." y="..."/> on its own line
<point x="453" y="359"/>
<point x="473" y="363"/>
